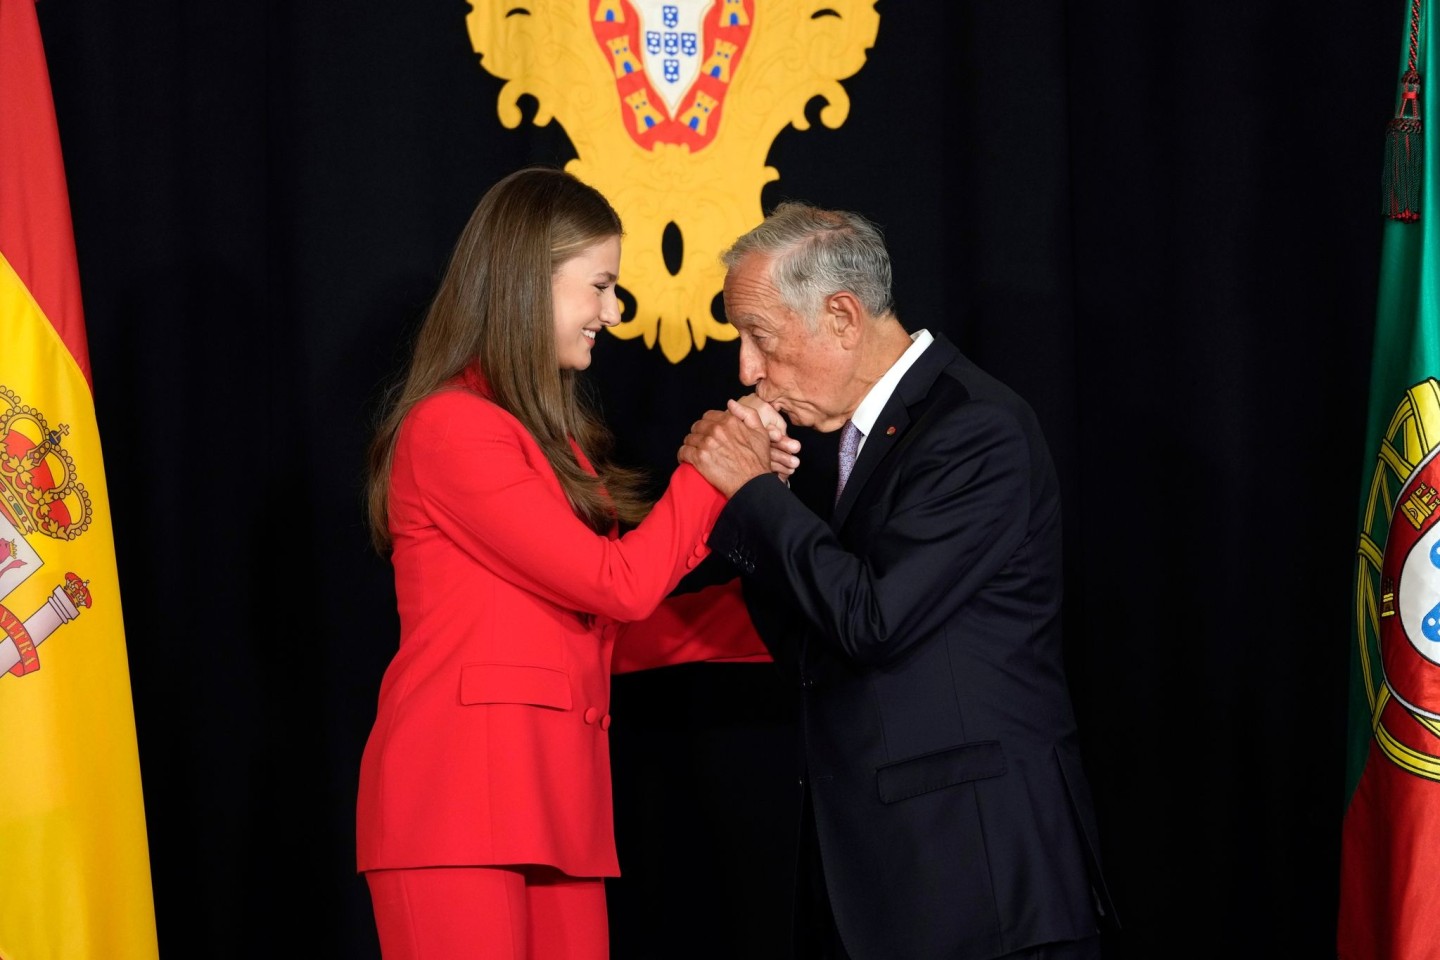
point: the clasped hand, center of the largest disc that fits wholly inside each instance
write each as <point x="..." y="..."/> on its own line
<point x="746" y="440"/>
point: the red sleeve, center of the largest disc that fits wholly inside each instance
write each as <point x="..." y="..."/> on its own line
<point x="481" y="479"/>
<point x="710" y="624"/>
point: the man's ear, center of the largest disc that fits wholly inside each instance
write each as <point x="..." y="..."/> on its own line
<point x="845" y="317"/>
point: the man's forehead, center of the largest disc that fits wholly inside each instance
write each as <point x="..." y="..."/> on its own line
<point x="749" y="294"/>
<point x="749" y="279"/>
<point x="746" y="313"/>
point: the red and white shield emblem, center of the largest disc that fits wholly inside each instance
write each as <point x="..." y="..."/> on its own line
<point x="1410" y="593"/>
<point x="673" y="62"/>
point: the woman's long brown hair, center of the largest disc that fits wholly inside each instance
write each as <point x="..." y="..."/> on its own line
<point x="494" y="310"/>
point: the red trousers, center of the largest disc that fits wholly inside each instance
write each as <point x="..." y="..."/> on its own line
<point x="488" y="913"/>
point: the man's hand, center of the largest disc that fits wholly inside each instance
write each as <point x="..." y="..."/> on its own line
<point x="783" y="448"/>
<point x="729" y="449"/>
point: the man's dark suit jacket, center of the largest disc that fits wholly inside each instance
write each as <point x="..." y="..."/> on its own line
<point x="922" y="624"/>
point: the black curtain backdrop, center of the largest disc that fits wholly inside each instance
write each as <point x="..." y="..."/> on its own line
<point x="1159" y="222"/>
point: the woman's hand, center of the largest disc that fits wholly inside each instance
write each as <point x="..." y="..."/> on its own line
<point x="783" y="448"/>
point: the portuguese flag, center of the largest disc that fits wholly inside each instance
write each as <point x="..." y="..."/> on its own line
<point x="1390" y="850"/>
<point x="74" y="862"/>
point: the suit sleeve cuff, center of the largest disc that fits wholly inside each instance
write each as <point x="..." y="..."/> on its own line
<point x="760" y="502"/>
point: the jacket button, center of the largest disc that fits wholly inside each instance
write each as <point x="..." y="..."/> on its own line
<point x="605" y="722"/>
<point x="590" y="714"/>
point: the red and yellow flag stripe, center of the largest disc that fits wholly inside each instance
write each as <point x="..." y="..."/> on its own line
<point x="74" y="859"/>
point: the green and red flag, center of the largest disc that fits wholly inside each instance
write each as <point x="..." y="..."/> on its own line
<point x="74" y="860"/>
<point x="1390" y="850"/>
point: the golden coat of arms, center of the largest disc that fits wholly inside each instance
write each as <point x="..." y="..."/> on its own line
<point x="672" y="106"/>
<point x="1397" y="586"/>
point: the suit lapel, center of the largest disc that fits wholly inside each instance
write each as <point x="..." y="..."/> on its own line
<point x="893" y="421"/>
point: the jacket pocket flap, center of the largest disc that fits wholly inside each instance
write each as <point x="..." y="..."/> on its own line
<point x="943" y="768"/>
<point x="514" y="683"/>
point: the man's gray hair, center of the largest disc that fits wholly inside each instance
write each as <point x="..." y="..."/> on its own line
<point x="815" y="253"/>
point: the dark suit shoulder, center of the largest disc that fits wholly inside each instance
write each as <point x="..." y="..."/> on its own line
<point x="965" y="403"/>
<point x="962" y="380"/>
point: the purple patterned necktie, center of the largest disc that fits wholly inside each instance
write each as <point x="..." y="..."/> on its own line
<point x="849" y="445"/>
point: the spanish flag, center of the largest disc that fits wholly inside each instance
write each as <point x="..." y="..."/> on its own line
<point x="74" y="862"/>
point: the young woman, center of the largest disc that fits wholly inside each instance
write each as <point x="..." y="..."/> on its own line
<point x="484" y="825"/>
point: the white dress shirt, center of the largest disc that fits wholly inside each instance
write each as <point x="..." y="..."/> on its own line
<point x="868" y="412"/>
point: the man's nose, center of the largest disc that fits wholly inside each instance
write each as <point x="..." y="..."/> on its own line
<point x="751" y="369"/>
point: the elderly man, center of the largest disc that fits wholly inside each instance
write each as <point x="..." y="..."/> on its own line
<point x="946" y="813"/>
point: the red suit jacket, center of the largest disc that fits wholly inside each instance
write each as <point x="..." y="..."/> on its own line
<point x="490" y="743"/>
